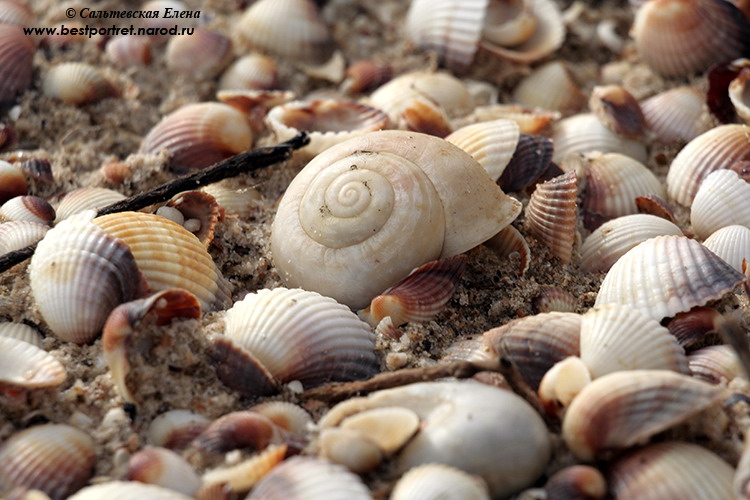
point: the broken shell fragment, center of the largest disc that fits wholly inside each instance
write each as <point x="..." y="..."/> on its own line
<point x="25" y="365"/>
<point x="721" y="201"/>
<point x="162" y="467"/>
<point x="617" y="109"/>
<point x="716" y="364"/>
<point x="365" y="74"/>
<point x="435" y="481"/>
<point x="551" y="215"/>
<point x="562" y="383"/>
<point x="77" y="83"/>
<point x="246" y="474"/>
<point x="12" y="181"/>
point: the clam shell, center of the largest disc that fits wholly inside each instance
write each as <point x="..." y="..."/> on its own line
<point x="615" y="338"/>
<point x="201" y="208"/>
<point x="169" y="256"/>
<point x="126" y="51"/>
<point x="301" y="335"/>
<point x="20" y="331"/>
<point x="162" y="467"/>
<point x="198" y="135"/>
<point x="127" y="490"/>
<point x="719" y="148"/>
<point x="654" y="205"/>
<point x="435" y="481"/>
<point x="691" y="327"/>
<point x="671" y="470"/>
<point x="55" y="459"/>
<point x="78" y="274"/>
<point x="666" y="275"/>
<point x="38" y="169"/>
<point x="678" y="114"/>
<point x="550" y="86"/>
<point x="25" y="365"/>
<point x="29" y="209"/>
<point x="615" y="238"/>
<point x="16" y="235"/>
<point x="530" y="160"/>
<point x="731" y="243"/>
<point x="584" y="133"/>
<point x="508" y="242"/>
<point x="715" y="364"/>
<point x="721" y="201"/>
<point x="530" y="121"/>
<point x="390" y="428"/>
<point x="77" y="83"/>
<point x="679" y="37"/>
<point x="12" y="181"/>
<point x="291" y="29"/>
<point x="491" y="143"/>
<point x="16" y="55"/>
<point x="626" y="408"/>
<point x="175" y="429"/>
<point x="562" y="383"/>
<point x="201" y="55"/>
<point x="250" y="72"/>
<point x="551" y="215"/>
<point x="82" y="199"/>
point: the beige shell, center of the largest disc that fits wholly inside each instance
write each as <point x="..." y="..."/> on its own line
<point x="719" y="148"/>
<point x="551" y="215"/>
<point x="198" y="135"/>
<point x="127" y="490"/>
<point x="615" y="238"/>
<point x="55" y="459"/>
<point x="27" y="208"/>
<point x="246" y="474"/>
<point x="78" y="274"/>
<point x="509" y="242"/>
<point x="679" y="37"/>
<point x="16" y="235"/>
<point x="129" y="50"/>
<point x="491" y="143"/>
<point x="721" y="201"/>
<point x="12" y="181"/>
<point x="626" y="408"/>
<point x="293" y="335"/>
<point x="666" y="275"/>
<point x="350" y="448"/>
<point x="678" y="114"/>
<point x="327" y="121"/>
<point x="616" y="337"/>
<point x="169" y="256"/>
<point x="201" y="55"/>
<point x="290" y="29"/>
<point x="16" y="52"/>
<point x="20" y="331"/>
<point x="716" y="364"/>
<point x="435" y="481"/>
<point x="162" y="467"/>
<point x="361" y="219"/>
<point x="550" y="86"/>
<point x="250" y="72"/>
<point x="82" y="199"/>
<point x="77" y="83"/>
<point x="25" y="365"/>
<point x="671" y="470"/>
<point x="390" y="428"/>
<point x="584" y="133"/>
<point x="731" y="243"/>
<point x="175" y="429"/>
<point x="238" y="429"/>
<point x="562" y="383"/>
<point x="738" y="95"/>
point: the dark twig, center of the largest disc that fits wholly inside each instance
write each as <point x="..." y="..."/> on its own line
<point x="231" y="167"/>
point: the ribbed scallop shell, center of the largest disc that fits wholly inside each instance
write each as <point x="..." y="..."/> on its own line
<point x="679" y="37"/>
<point x="623" y="409"/>
<point x="27" y="208"/>
<point x="291" y="29"/>
<point x="301" y="335"/>
<point x="691" y="327"/>
<point x="169" y="256"/>
<point x="615" y="338"/>
<point x="721" y="201"/>
<point x="434" y="481"/>
<point x="250" y="72"/>
<point x="16" y="235"/>
<point x="78" y="274"/>
<point x="126" y="51"/>
<point x="552" y="213"/>
<point x="20" y="331"/>
<point x="82" y="199"/>
<point x="584" y="133"/>
<point x="666" y="275"/>
<point x="77" y="83"/>
<point x="199" y="135"/>
<point x="678" y="114"/>
<point x="615" y="238"/>
<point x="550" y="86"/>
<point x="562" y="383"/>
<point x="491" y="143"/>
<point x="175" y="429"/>
<point x="715" y="364"/>
<point x="15" y="12"/>
<point x="55" y="459"/>
<point x="719" y="148"/>
<point x="200" y="212"/>
<point x="16" y="55"/>
<point x="25" y="365"/>
<point x="201" y="55"/>
<point x="328" y="121"/>
<point x="731" y="243"/>
<point x="288" y="416"/>
<point x="162" y="467"/>
<point x="127" y="490"/>
<point x="671" y="470"/>
<point x="508" y="242"/>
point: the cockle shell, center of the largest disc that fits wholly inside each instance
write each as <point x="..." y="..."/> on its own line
<point x="719" y="148"/>
<point x="55" y="459"/>
<point x="678" y="114"/>
<point x="626" y="408"/>
<point x="584" y="133"/>
<point x="435" y="481"/>
<point x="201" y="55"/>
<point x="78" y="274"/>
<point x="666" y="275"/>
<point x="352" y="204"/>
<point x="128" y="50"/>
<point x="238" y="429"/>
<point x="721" y="201"/>
<point x="16" y="12"/>
<point x="20" y="331"/>
<point x="17" y="234"/>
<point x="618" y="110"/>
<point x="551" y="215"/>
<point x="552" y="87"/>
<point x="284" y="335"/>
<point x="127" y="490"/>
<point x="27" y="208"/>
<point x="715" y="364"/>
<point x="691" y="327"/>
<point x="87" y="198"/>
<point x="731" y="243"/>
<point x="175" y="429"/>
<point x="23" y="364"/>
<point x="165" y="468"/>
<point x="250" y="72"/>
<point x="491" y="143"/>
<point x="553" y="298"/>
<point x="16" y="55"/>
<point x="77" y="83"/>
<point x="365" y="74"/>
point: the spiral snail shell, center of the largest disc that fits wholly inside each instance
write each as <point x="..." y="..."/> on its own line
<point x="364" y="213"/>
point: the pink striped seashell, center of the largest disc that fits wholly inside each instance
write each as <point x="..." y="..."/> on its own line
<point x="165" y="468"/>
<point x="16" y="55"/>
<point x="552" y="213"/>
<point x="127" y="51"/>
<point x="678" y="114"/>
<point x="250" y="72"/>
<point x="201" y="55"/>
<point x="77" y="84"/>
<point x="16" y="12"/>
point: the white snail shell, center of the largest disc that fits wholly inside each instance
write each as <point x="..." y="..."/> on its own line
<point x="364" y="213"/>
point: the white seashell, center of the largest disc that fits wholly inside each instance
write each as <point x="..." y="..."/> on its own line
<point x="666" y="275"/>
<point x="162" y="467"/>
<point x="77" y="83"/>
<point x="731" y="243"/>
<point x="82" y="199"/>
<point x="27" y="208"/>
<point x="389" y="427"/>
<point x="288" y="416"/>
<point x="16" y="55"/>
<point x="127" y="490"/>
<point x="616" y="337"/>
<point x="552" y="87"/>
<point x="615" y="238"/>
<point x="491" y="143"/>
<point x="241" y="202"/>
<point x="678" y="114"/>
<point x="15" y="235"/>
<point x="20" y="331"/>
<point x="25" y="365"/>
<point x="436" y="481"/>
<point x="584" y="133"/>
<point x="720" y="201"/>
<point x="175" y="429"/>
<point x="361" y="218"/>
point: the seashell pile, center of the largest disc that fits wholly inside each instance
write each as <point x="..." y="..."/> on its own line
<point x="512" y="261"/>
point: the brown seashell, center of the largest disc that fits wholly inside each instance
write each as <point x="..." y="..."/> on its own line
<point x="16" y="55"/>
<point x="742" y="168"/>
<point x="12" y="181"/>
<point x="562" y="383"/>
<point x="127" y="51"/>
<point x="720" y="76"/>
<point x="678" y="114"/>
<point x="239" y="429"/>
<point x="716" y="364"/>
<point x="420" y="296"/>
<point x="291" y="29"/>
<point x="116" y="172"/>
<point x="201" y="55"/>
<point x="691" y="327"/>
<point x="552" y="298"/>
<point x="201" y="207"/>
<point x="577" y="482"/>
<point x="122" y="326"/>
<point x="584" y="133"/>
<point x="349" y="448"/>
<point x="15" y="12"/>
<point x="551" y="86"/>
<point x="29" y="209"/>
<point x="20" y="331"/>
<point x="510" y="241"/>
<point x="37" y="168"/>
<point x="618" y="110"/>
<point x="165" y="468"/>
<point x="680" y="37"/>
<point x="623" y="409"/>
<point x="8" y="137"/>
<point x="433" y="481"/>
<point x="551" y="215"/>
<point x="365" y="74"/>
<point x="55" y="459"/>
<point x="176" y="429"/>
<point x="255" y="104"/>
<point x="82" y="199"/>
<point x="25" y="365"/>
<point x="244" y="475"/>
<point x="652" y="204"/>
<point x="16" y="235"/>
<point x="198" y="135"/>
<point x="531" y="158"/>
<point x="250" y="72"/>
<point x="77" y="83"/>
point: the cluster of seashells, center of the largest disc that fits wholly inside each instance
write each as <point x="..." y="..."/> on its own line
<point x="413" y="180"/>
